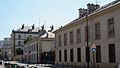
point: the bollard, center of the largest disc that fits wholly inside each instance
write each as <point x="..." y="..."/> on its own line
<point x="67" y="64"/>
<point x="84" y="66"/>
<point x="116" y="66"/>
<point x="97" y="65"/>
<point x="63" y="65"/>
<point x="57" y="64"/>
<point x="75" y="65"/>
<point x="72" y="65"/>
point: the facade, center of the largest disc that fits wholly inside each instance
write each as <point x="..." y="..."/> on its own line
<point x="6" y="49"/>
<point x="1" y="43"/>
<point x="103" y="25"/>
<point x="1" y="49"/>
<point x="40" y="48"/>
<point x="21" y="36"/>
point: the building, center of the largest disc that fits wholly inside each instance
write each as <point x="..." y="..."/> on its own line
<point x="21" y="36"/>
<point x="1" y="49"/>
<point x="1" y="43"/>
<point x="103" y="25"/>
<point x="40" y="49"/>
<point x="6" y="49"/>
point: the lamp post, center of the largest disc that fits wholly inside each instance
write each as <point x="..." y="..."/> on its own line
<point x="87" y="48"/>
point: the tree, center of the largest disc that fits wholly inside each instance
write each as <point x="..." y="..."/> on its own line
<point x="27" y="40"/>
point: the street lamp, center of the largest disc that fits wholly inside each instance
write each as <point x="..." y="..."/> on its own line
<point x="87" y="48"/>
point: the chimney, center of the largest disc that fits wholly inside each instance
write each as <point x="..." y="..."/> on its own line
<point x="92" y="7"/>
<point x="12" y="30"/>
<point x="42" y="27"/>
<point x="33" y="26"/>
<point x="22" y="27"/>
<point x="82" y="12"/>
<point x="52" y="27"/>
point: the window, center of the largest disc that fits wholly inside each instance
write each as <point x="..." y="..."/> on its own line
<point x="19" y="36"/>
<point x="71" y="38"/>
<point x="79" y="54"/>
<point x="34" y="57"/>
<point x="19" y="43"/>
<point x="34" y="47"/>
<point x="98" y="54"/>
<point x="97" y="30"/>
<point x="59" y="40"/>
<point x="65" y="39"/>
<point x="78" y="36"/>
<point x="112" y="53"/>
<point x="71" y="55"/>
<point x="87" y="33"/>
<point x="65" y="55"/>
<point x="110" y="27"/>
<point x="60" y="56"/>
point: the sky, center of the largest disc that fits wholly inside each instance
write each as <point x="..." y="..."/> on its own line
<point x="13" y="13"/>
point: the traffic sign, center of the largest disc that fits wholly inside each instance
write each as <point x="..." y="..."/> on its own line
<point x="94" y="47"/>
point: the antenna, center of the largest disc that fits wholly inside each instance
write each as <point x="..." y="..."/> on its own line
<point x="96" y="2"/>
<point x="39" y="27"/>
<point x="34" y="21"/>
<point x="44" y="23"/>
<point x="39" y="23"/>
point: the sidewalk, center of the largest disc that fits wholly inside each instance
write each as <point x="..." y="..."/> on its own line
<point x="67" y="66"/>
<point x="1" y="66"/>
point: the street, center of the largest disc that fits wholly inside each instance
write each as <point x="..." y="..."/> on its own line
<point x="24" y="65"/>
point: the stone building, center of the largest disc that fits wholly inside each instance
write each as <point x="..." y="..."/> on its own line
<point x="21" y="36"/>
<point x="1" y="49"/>
<point x="6" y="49"/>
<point x="103" y="24"/>
<point x="40" y="49"/>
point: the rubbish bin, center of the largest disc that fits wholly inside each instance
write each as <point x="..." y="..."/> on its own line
<point x="13" y="65"/>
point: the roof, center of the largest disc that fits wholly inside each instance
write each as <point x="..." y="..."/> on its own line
<point x="26" y="28"/>
<point x="48" y="35"/>
<point x="99" y="9"/>
<point x="107" y="6"/>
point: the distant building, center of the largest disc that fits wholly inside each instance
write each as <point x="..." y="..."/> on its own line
<point x="1" y="49"/>
<point x="21" y="36"/>
<point x="1" y="43"/>
<point x="6" y="49"/>
<point x="103" y="30"/>
<point x="40" y="49"/>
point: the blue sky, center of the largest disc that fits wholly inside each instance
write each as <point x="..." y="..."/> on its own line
<point x="13" y="13"/>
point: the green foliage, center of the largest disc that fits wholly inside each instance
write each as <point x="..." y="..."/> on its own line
<point x="27" y="40"/>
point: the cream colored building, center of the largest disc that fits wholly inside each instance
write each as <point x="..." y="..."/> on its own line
<point x="34" y="49"/>
<point x="103" y="30"/>
<point x="19" y="36"/>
